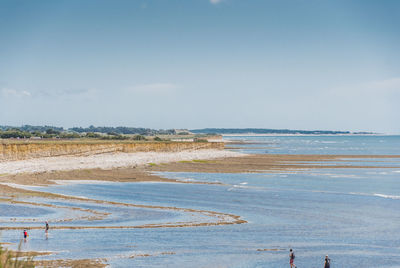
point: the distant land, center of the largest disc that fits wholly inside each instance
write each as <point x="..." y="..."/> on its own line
<point x="92" y="132"/>
<point x="103" y="129"/>
<point x="76" y="132"/>
<point x="272" y="131"/>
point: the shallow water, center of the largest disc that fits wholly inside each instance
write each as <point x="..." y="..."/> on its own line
<point x="323" y="212"/>
<point x="347" y="145"/>
<point x="351" y="214"/>
<point x="9" y="211"/>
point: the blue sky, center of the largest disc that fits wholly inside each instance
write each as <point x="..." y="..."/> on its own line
<point x="299" y="64"/>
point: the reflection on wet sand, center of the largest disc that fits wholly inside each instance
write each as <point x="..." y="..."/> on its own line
<point x="194" y="217"/>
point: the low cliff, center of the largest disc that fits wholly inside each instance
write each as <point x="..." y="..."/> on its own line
<point x="27" y="150"/>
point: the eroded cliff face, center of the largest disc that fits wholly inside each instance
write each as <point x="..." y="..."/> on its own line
<point x="20" y="150"/>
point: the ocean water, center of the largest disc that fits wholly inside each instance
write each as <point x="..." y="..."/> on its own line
<point x="330" y="144"/>
<point x="353" y="215"/>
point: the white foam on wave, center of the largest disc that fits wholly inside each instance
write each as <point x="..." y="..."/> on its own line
<point x="184" y="179"/>
<point x="344" y="176"/>
<point x="336" y="175"/>
<point x="240" y="186"/>
<point x="396" y="197"/>
<point x="388" y="196"/>
<point x="235" y="186"/>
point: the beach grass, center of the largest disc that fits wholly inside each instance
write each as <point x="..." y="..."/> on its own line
<point x="11" y="259"/>
<point x="201" y="161"/>
<point x="195" y="161"/>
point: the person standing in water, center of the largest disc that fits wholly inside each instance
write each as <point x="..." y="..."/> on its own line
<point x="47" y="227"/>
<point x="291" y="259"/>
<point x="25" y="234"/>
<point x="327" y="263"/>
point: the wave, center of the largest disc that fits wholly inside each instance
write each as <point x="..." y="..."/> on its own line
<point x="242" y="186"/>
<point x="388" y="196"/>
<point x="337" y="175"/>
<point x="235" y="186"/>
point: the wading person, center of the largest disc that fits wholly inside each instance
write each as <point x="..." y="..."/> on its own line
<point x="291" y="259"/>
<point x="25" y="234"/>
<point x="327" y="263"/>
<point x="47" y="227"/>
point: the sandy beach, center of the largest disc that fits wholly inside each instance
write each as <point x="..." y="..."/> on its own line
<point x="136" y="167"/>
<point x="108" y="160"/>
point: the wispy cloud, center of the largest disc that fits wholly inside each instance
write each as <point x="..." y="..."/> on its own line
<point x="215" y="2"/>
<point x="159" y="88"/>
<point x="13" y="93"/>
<point x="67" y="93"/>
<point x="64" y="94"/>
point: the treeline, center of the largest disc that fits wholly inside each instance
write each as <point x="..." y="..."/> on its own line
<point x="266" y="131"/>
<point x="124" y="130"/>
<point x="92" y="132"/>
<point x="55" y="134"/>
<point x="117" y="130"/>
<point x="47" y="134"/>
<point x="30" y="128"/>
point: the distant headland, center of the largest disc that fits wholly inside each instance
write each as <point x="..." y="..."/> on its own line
<point x="268" y="131"/>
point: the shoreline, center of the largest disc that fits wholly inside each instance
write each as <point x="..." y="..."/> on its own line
<point x="107" y="160"/>
<point x="138" y="167"/>
<point x="304" y="135"/>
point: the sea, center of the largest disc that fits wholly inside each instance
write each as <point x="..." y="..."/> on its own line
<point x="352" y="214"/>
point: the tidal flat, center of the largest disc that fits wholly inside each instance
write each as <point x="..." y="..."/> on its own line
<point x="244" y="211"/>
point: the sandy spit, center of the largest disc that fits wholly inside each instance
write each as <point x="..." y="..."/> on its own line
<point x="108" y="161"/>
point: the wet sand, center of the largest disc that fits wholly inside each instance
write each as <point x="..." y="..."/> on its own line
<point x="244" y="164"/>
<point x="9" y="193"/>
<point x="132" y="174"/>
<point x="270" y="163"/>
<point x="94" y="263"/>
<point x="237" y="164"/>
<point x="14" y="194"/>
